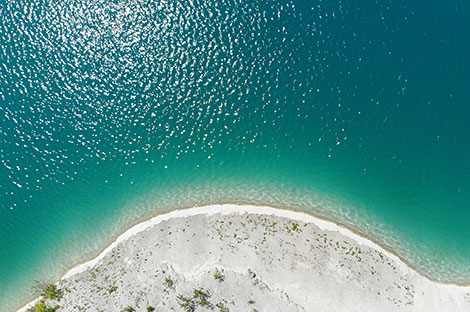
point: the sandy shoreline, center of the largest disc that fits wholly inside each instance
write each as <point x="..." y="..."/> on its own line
<point x="452" y="292"/>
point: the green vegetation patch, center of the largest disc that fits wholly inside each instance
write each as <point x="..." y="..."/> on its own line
<point x="42" y="307"/>
<point x="200" y="298"/>
<point x="169" y="283"/>
<point x="219" y="276"/>
<point x="112" y="289"/>
<point x="49" y="291"/>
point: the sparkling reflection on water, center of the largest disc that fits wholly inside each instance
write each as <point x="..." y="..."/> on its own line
<point x="111" y="111"/>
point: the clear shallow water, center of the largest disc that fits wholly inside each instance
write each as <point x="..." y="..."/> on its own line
<point x="113" y="111"/>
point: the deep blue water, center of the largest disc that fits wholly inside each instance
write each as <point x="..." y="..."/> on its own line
<point x="114" y="111"/>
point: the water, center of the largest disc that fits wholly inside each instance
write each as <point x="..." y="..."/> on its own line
<point x="114" y="111"/>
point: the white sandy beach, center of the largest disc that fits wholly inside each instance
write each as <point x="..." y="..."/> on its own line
<point x="249" y="258"/>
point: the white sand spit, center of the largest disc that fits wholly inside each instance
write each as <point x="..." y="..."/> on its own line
<point x="249" y="258"/>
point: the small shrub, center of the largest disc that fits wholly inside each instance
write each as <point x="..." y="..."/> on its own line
<point x="112" y="289"/>
<point x="201" y="293"/>
<point x="203" y="296"/>
<point x="187" y="303"/>
<point x="150" y="309"/>
<point x="222" y="307"/>
<point x="42" y="307"/>
<point x="219" y="276"/>
<point x="48" y="291"/>
<point x="200" y="298"/>
<point x="128" y="309"/>
<point x="169" y="283"/>
<point x="251" y="302"/>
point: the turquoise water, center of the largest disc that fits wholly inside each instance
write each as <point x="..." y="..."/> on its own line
<point x="114" y="111"/>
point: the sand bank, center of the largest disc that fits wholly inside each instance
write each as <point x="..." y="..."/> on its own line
<point x="250" y="258"/>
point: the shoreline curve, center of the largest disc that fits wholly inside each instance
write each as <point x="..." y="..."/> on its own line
<point x="235" y="209"/>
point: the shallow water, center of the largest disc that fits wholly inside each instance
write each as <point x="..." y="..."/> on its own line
<point x="113" y="111"/>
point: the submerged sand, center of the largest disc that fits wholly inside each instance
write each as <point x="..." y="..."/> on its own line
<point x="249" y="258"/>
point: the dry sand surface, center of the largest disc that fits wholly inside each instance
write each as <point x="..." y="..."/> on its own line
<point x="246" y="258"/>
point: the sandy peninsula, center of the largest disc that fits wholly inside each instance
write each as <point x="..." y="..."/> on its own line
<point x="248" y="258"/>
